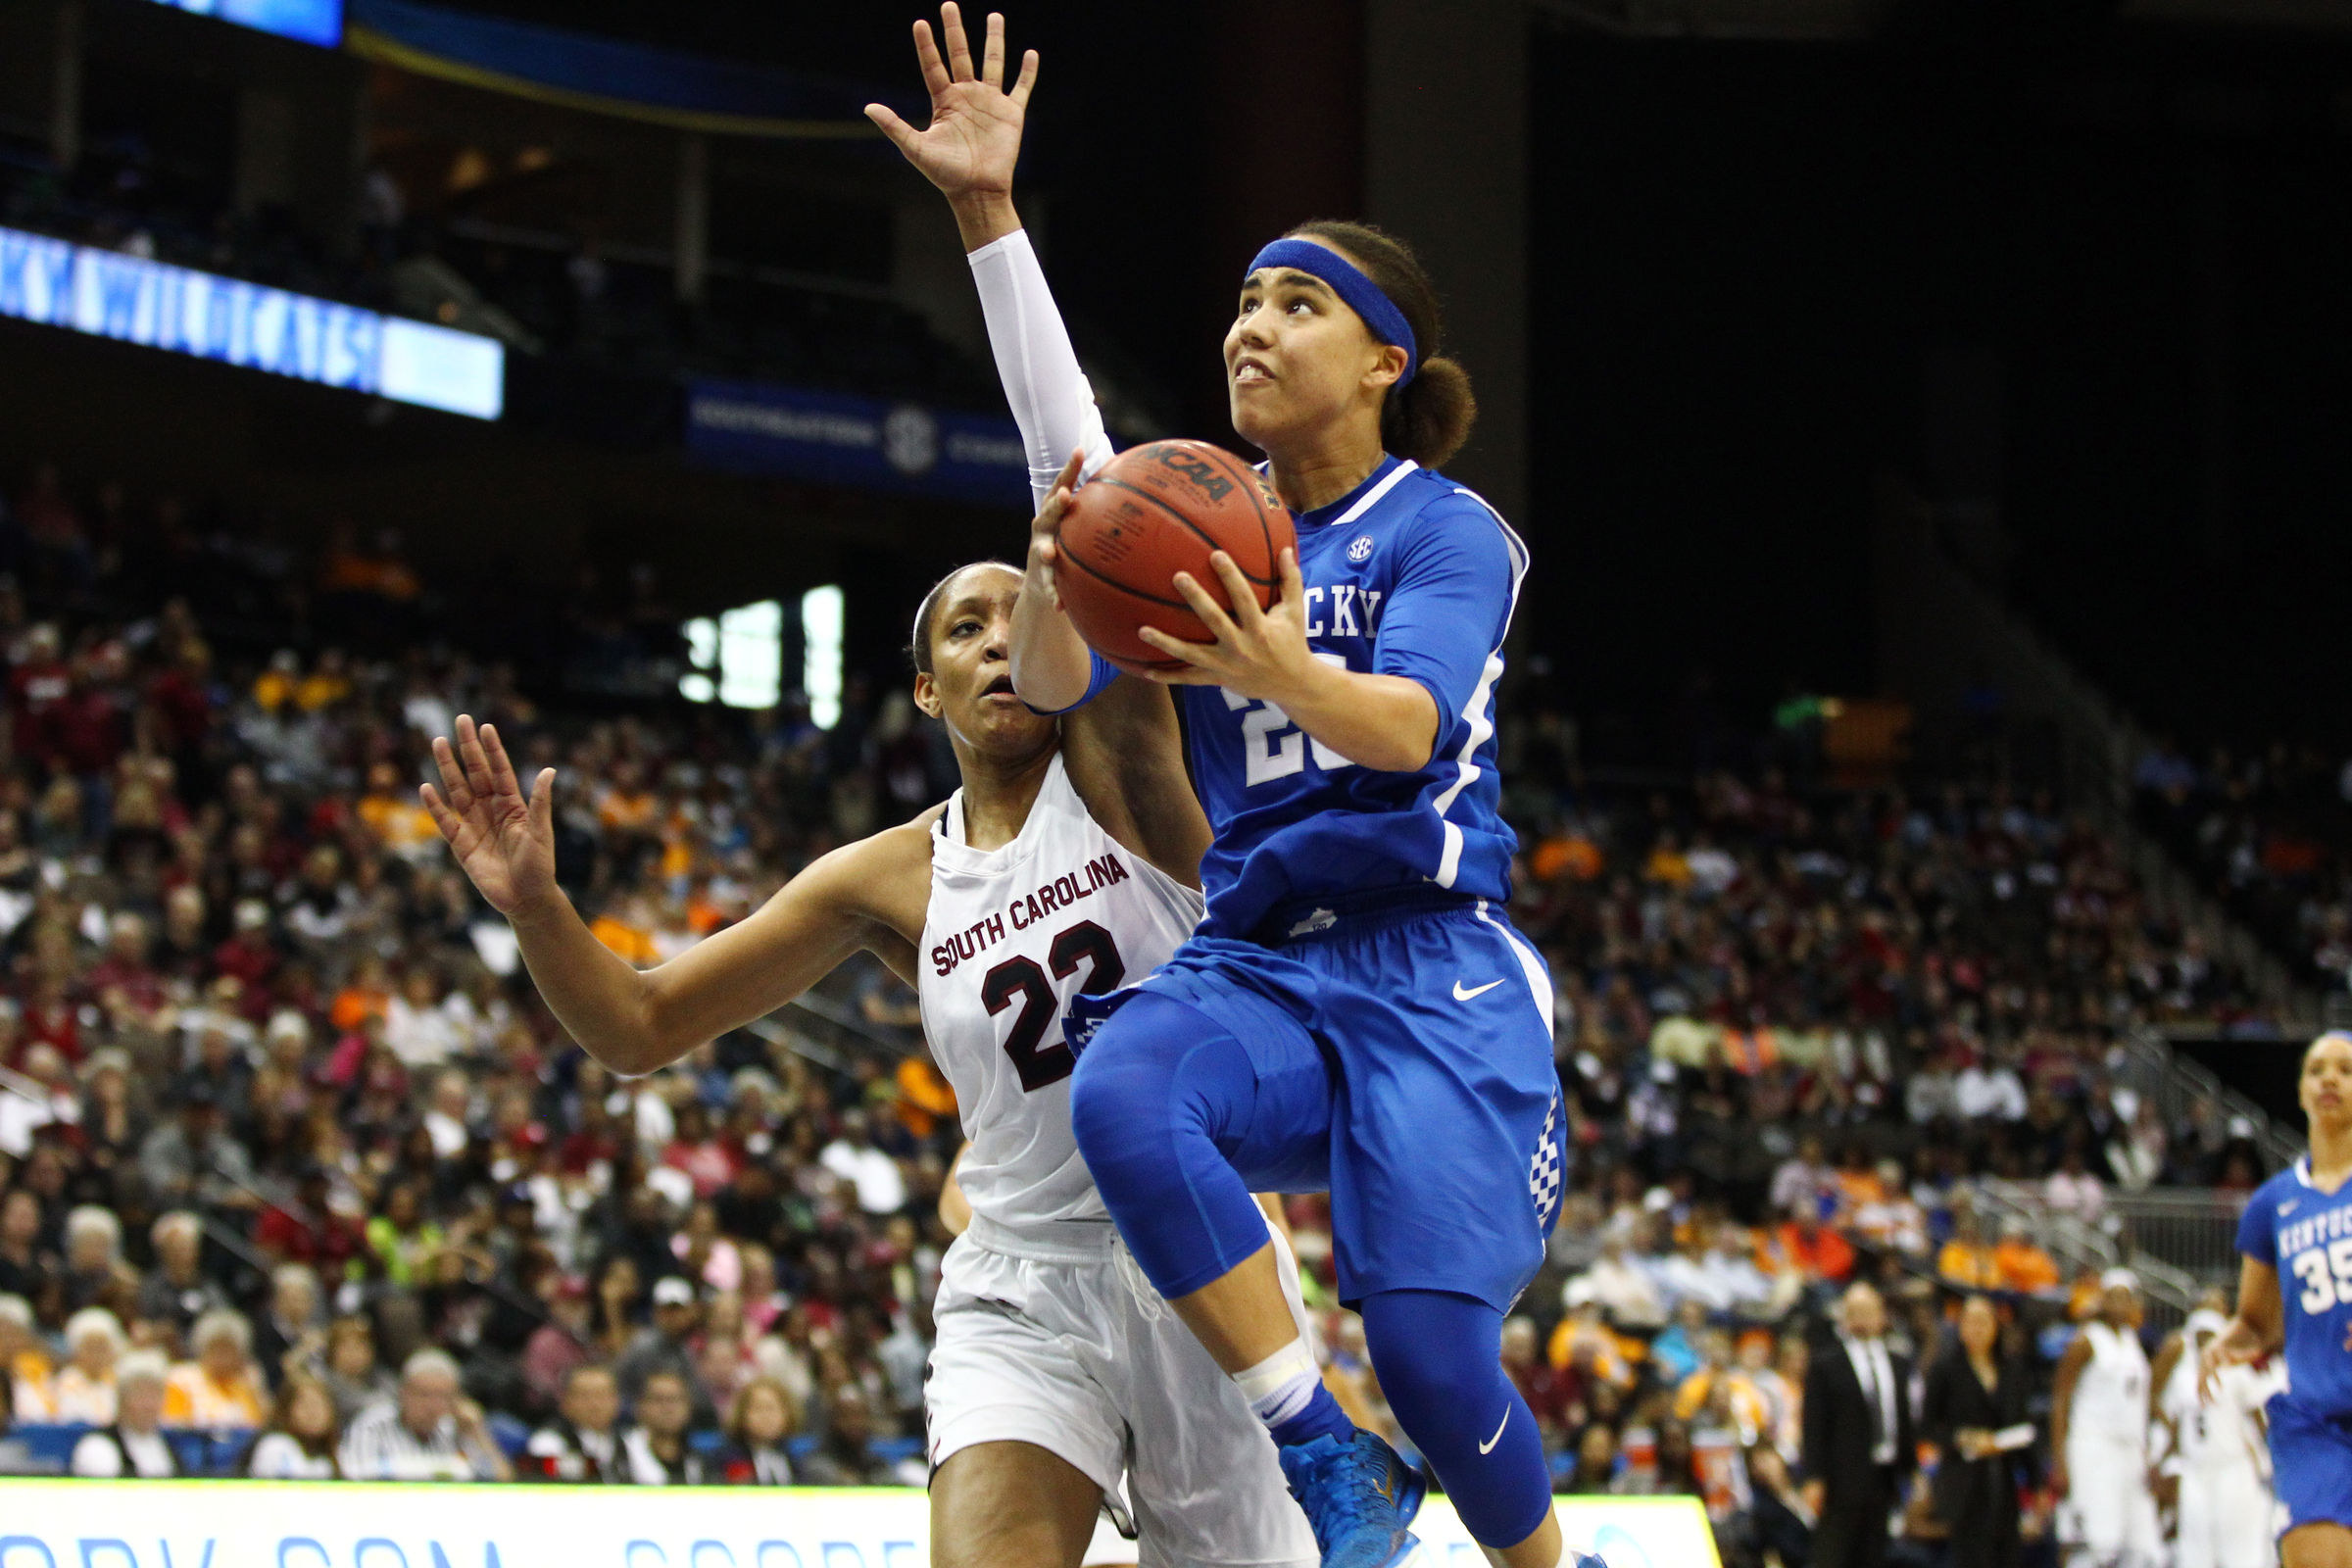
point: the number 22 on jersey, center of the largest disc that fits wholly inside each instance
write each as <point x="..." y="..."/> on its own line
<point x="1019" y="978"/>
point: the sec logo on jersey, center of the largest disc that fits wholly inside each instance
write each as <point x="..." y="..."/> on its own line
<point x="1359" y="549"/>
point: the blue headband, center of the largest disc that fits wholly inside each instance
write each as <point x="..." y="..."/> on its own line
<point x="1364" y="296"/>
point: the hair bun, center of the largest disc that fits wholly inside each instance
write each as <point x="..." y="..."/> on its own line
<point x="1429" y="417"/>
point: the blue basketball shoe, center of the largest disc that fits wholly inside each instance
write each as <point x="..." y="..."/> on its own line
<point x="1359" y="1494"/>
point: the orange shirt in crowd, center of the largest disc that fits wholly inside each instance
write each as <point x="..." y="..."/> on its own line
<point x="923" y="1096"/>
<point x="191" y="1399"/>
<point x="356" y="1004"/>
<point x="1972" y="1265"/>
<point x="633" y="942"/>
<point x="1573" y="855"/>
<point x="1827" y="1256"/>
<point x="1602" y="1351"/>
<point x="2024" y="1267"/>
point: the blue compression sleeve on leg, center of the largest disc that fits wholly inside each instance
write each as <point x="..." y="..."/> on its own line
<point x="1152" y="1098"/>
<point x="1439" y="1360"/>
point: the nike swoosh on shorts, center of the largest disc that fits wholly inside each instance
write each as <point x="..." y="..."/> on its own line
<point x="1459" y="995"/>
<point x="1488" y="1446"/>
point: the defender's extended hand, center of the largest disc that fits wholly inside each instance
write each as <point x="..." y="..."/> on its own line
<point x="974" y="138"/>
<point x="506" y="843"/>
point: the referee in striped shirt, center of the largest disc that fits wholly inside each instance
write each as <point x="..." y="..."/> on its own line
<point x="428" y="1431"/>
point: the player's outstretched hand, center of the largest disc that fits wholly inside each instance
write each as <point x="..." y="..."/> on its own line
<point x="506" y="843"/>
<point x="2239" y="1344"/>
<point x="974" y="138"/>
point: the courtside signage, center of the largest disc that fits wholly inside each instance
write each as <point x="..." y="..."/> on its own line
<point x="297" y="1524"/>
<point x="107" y="294"/>
<point x="840" y="438"/>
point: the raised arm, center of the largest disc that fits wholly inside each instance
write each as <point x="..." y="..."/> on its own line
<point x="969" y="151"/>
<point x="637" y="1021"/>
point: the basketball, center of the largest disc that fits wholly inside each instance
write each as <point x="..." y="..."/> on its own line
<point x="1154" y="511"/>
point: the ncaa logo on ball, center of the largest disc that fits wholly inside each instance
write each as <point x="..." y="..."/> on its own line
<point x="1359" y="549"/>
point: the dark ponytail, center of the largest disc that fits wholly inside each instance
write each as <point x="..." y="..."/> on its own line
<point x="1429" y="417"/>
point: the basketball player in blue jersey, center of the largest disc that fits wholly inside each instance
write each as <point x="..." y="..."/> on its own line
<point x="2294" y="1294"/>
<point x="1355" y="1012"/>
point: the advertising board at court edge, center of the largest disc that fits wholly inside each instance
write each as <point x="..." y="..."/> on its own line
<point x="48" y="1523"/>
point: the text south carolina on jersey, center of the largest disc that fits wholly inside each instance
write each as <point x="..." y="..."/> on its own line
<point x="1058" y="893"/>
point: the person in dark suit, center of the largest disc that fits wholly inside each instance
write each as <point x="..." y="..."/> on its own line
<point x="1972" y="1394"/>
<point x="1857" y="1439"/>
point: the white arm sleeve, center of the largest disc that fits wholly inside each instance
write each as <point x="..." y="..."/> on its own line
<point x="1050" y="400"/>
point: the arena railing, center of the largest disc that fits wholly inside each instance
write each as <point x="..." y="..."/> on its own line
<point x="2178" y="1084"/>
<point x="2170" y="1292"/>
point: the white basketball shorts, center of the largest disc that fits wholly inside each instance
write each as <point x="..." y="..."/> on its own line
<point x="1067" y="1347"/>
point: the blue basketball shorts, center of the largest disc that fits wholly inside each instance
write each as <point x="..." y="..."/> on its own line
<point x="1441" y="1143"/>
<point x="2311" y="1463"/>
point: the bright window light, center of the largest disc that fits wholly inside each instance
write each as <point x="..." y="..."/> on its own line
<point x="751" y="656"/>
<point x="737" y="657"/>
<point x="820" y="631"/>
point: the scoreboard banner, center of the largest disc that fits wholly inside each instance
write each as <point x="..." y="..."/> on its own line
<point x="49" y="1523"/>
<point x="103" y="293"/>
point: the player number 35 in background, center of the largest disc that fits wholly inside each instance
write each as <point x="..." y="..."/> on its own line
<point x="2327" y="1274"/>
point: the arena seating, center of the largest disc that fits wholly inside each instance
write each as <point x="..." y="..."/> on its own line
<point x="1796" y="1028"/>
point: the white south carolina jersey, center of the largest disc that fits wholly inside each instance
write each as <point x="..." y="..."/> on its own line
<point x="1011" y="936"/>
<point x="2111" y="1394"/>
<point x="2225" y="1434"/>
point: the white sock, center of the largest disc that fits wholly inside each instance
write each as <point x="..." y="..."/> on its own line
<point x="1280" y="1387"/>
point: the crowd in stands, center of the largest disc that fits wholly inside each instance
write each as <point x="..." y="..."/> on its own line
<point x="2269" y="832"/>
<point x="298" y="1176"/>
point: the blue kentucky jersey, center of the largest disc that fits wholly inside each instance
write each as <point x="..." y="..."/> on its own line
<point x="1407" y="574"/>
<point x="2306" y="1234"/>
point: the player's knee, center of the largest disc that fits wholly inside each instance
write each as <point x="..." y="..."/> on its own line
<point x="1104" y="1095"/>
<point x="1122" y="1095"/>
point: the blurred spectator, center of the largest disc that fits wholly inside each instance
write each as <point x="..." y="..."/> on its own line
<point x="845" y="1457"/>
<point x="22" y="1270"/>
<point x="1968" y="1261"/>
<point x="94" y="1267"/>
<point x="658" y="1449"/>
<point x="2022" y="1266"/>
<point x="428" y="1431"/>
<point x="220" y="1389"/>
<point x="665" y="1345"/>
<point x="350" y="1371"/>
<point x="191" y="1161"/>
<point x="584" y="1442"/>
<point x="292" y="1329"/>
<point x="1595" y="1469"/>
<point x="1548" y="1393"/>
<point x="852" y="1157"/>
<point x="1782" y="1524"/>
<point x="758" y="1425"/>
<point x="300" y="1441"/>
<point x="24" y="1363"/>
<point x="177" y="1292"/>
<point x="134" y="1444"/>
<point x="84" y="1389"/>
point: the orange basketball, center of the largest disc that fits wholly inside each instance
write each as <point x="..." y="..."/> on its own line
<point x="1154" y="511"/>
